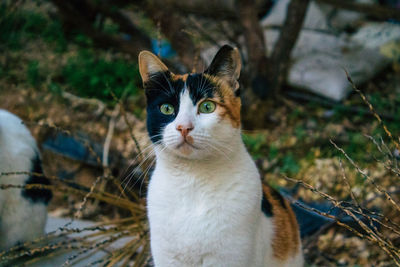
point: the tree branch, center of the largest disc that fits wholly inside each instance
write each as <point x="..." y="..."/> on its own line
<point x="253" y="32"/>
<point x="82" y="14"/>
<point x="280" y="57"/>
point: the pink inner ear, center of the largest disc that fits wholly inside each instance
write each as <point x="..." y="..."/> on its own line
<point x="150" y="64"/>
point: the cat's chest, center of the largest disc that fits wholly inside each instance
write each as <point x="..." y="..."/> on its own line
<point x="193" y="215"/>
<point x="201" y="203"/>
<point x="186" y="201"/>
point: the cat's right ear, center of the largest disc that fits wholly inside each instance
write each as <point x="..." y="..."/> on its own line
<point x="150" y="64"/>
<point x="226" y="65"/>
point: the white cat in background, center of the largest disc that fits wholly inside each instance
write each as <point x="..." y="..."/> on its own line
<point x="23" y="213"/>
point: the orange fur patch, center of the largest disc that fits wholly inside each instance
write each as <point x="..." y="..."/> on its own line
<point x="228" y="104"/>
<point x="176" y="77"/>
<point x="286" y="240"/>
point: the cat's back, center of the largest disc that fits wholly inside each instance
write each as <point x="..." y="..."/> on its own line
<point x="17" y="147"/>
<point x="23" y="212"/>
<point x="14" y="136"/>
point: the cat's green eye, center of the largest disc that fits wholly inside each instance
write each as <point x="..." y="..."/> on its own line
<point x="167" y="109"/>
<point x="207" y="106"/>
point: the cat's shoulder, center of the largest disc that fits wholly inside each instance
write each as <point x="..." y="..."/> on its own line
<point x="13" y="132"/>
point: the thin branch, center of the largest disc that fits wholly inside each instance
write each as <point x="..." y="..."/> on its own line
<point x="372" y="109"/>
<point x="370" y="179"/>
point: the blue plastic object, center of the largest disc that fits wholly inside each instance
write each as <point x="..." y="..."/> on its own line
<point x="166" y="49"/>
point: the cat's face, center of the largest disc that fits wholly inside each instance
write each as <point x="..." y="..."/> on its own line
<point x="193" y="115"/>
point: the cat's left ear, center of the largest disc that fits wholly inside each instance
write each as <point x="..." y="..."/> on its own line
<point x="150" y="64"/>
<point x="226" y="65"/>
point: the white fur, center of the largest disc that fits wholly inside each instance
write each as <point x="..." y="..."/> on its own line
<point x="204" y="203"/>
<point x="20" y="219"/>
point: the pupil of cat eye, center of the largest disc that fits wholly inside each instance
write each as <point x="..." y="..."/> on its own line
<point x="207" y="107"/>
<point x="167" y="109"/>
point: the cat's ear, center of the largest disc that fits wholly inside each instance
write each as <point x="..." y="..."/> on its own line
<point x="150" y="64"/>
<point x="226" y="65"/>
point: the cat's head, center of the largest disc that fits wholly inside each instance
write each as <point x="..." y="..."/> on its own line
<point x="194" y="115"/>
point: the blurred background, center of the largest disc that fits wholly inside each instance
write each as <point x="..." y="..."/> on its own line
<point x="320" y="87"/>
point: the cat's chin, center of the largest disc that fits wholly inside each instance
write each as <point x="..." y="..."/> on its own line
<point x="186" y="151"/>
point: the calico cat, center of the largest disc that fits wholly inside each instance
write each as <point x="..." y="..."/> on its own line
<point x="206" y="202"/>
<point x="23" y="212"/>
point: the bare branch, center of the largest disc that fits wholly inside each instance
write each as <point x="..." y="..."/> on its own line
<point x="280" y="57"/>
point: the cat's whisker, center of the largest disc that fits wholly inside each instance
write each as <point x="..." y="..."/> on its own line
<point x="145" y="174"/>
<point x="141" y="176"/>
<point x="152" y="153"/>
<point x="132" y="174"/>
<point x="222" y="146"/>
<point x="134" y="171"/>
<point x="157" y="135"/>
<point x="214" y="142"/>
<point x="143" y="151"/>
<point x="150" y="146"/>
<point x="218" y="150"/>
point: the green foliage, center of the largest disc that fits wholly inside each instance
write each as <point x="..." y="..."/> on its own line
<point x="300" y="132"/>
<point x="19" y="26"/>
<point x="289" y="165"/>
<point x="86" y="73"/>
<point x="273" y="151"/>
<point x="255" y="144"/>
<point x="110" y="27"/>
<point x="33" y="74"/>
<point x="2" y="71"/>
<point x="82" y="40"/>
<point x="91" y="75"/>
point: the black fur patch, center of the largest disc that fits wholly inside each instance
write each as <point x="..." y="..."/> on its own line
<point x="222" y="61"/>
<point x="266" y="207"/>
<point x="237" y="92"/>
<point x="276" y="195"/>
<point x="161" y="89"/>
<point x="199" y="87"/>
<point x="37" y="195"/>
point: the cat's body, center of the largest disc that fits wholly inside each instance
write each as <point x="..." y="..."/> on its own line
<point x="206" y="202"/>
<point x="23" y="213"/>
<point x="205" y="221"/>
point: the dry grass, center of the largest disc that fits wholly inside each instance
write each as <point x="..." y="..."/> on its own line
<point x="380" y="229"/>
<point x="106" y="190"/>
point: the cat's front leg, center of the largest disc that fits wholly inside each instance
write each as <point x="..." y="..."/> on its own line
<point x="163" y="257"/>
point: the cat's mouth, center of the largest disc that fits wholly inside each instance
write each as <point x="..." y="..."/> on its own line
<point x="186" y="144"/>
<point x="185" y="148"/>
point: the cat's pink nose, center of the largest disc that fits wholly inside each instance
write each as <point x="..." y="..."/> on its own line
<point x="184" y="129"/>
